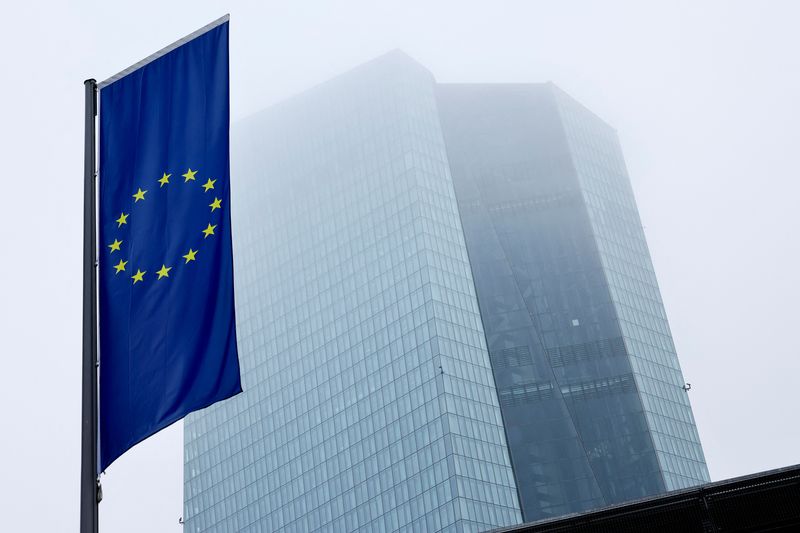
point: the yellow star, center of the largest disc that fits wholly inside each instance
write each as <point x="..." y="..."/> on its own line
<point x="164" y="179"/>
<point x="209" y="185"/>
<point x="139" y="276"/>
<point x="123" y="219"/>
<point x="216" y="204"/>
<point x="189" y="175"/>
<point x="120" y="267"/>
<point x="190" y="255"/>
<point x="139" y="195"/>
<point x="114" y="245"/>
<point x="164" y="272"/>
<point x="209" y="230"/>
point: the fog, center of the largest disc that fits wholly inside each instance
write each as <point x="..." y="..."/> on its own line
<point x="704" y="96"/>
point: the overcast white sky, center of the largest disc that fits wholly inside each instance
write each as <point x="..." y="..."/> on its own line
<point x="704" y="96"/>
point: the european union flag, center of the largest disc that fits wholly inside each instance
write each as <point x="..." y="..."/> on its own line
<point x="167" y="326"/>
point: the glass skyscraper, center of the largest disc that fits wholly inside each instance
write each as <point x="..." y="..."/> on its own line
<point x="587" y="376"/>
<point x="369" y="399"/>
<point x="448" y="319"/>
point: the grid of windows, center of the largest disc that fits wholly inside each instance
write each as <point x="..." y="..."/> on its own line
<point x="637" y="300"/>
<point x="369" y="400"/>
<point x="559" y="311"/>
<point x="392" y="379"/>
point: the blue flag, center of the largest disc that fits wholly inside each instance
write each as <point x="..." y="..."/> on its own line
<point x="167" y="326"/>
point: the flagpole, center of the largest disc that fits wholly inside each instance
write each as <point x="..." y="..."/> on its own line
<point x="90" y="483"/>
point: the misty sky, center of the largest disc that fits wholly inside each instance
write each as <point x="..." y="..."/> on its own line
<point x="704" y="96"/>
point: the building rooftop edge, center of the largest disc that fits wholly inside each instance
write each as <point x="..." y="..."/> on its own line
<point x="393" y="53"/>
<point x="714" y="486"/>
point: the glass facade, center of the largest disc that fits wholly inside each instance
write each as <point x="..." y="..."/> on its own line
<point x="587" y="377"/>
<point x="369" y="400"/>
<point x="448" y="317"/>
<point x="632" y="284"/>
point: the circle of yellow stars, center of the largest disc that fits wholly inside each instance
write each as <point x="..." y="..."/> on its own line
<point x="140" y="196"/>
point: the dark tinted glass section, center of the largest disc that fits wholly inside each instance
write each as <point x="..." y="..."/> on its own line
<point x="607" y="194"/>
<point x="575" y="422"/>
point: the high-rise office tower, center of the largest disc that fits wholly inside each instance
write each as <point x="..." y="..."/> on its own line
<point x="369" y="400"/>
<point x="403" y="372"/>
<point x="587" y="376"/>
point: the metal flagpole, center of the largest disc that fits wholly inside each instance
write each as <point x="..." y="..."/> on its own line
<point x="90" y="482"/>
